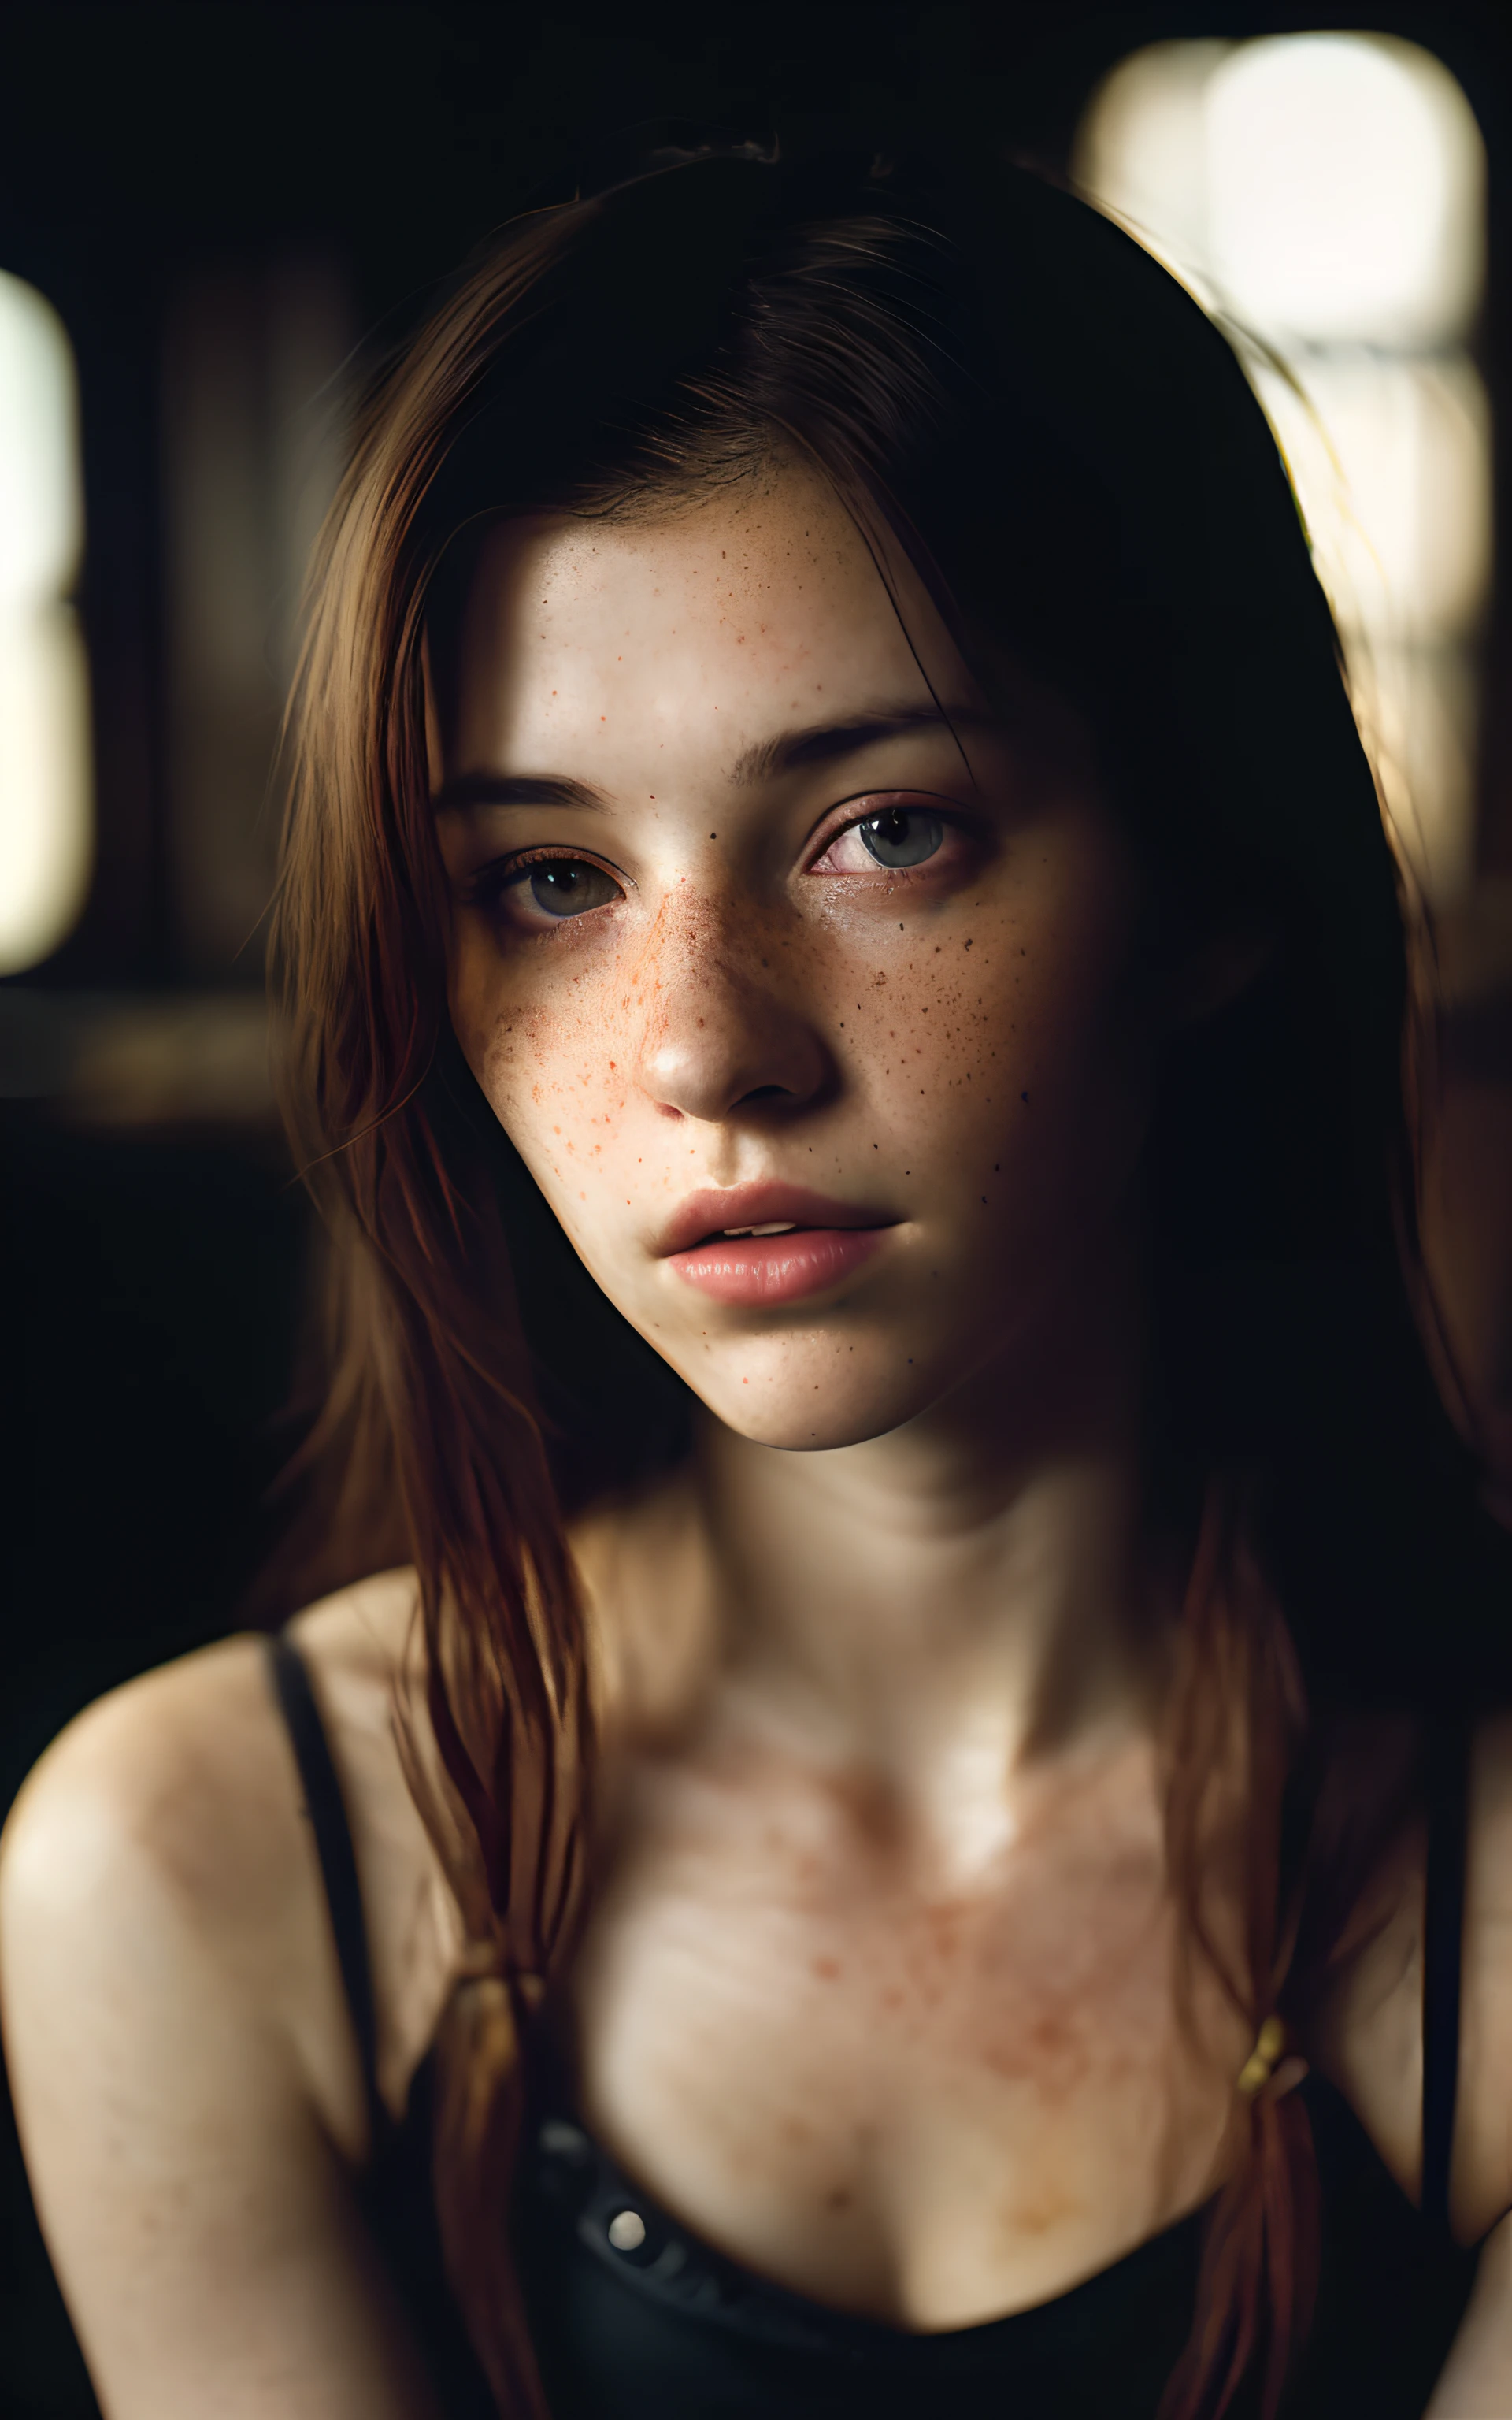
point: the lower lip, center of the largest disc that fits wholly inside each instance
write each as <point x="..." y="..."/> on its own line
<point x="760" y="1270"/>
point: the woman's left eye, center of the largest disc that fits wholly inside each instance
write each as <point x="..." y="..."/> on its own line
<point x="892" y="838"/>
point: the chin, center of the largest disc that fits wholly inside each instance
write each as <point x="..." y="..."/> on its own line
<point x="812" y="1397"/>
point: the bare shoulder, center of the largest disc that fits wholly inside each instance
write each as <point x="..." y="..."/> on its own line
<point x="1370" y="2036"/>
<point x="187" y="2087"/>
<point x="176" y="1798"/>
<point x="173" y="1789"/>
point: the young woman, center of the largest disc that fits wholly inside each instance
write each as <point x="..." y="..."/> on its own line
<point x="901" y="1796"/>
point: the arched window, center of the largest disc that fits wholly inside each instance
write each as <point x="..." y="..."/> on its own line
<point x="1325" y="192"/>
<point x="46" y="791"/>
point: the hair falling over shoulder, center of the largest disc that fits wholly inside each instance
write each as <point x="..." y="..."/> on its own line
<point x="997" y="375"/>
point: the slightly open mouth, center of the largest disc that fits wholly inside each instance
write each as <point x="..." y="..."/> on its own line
<point x="775" y="1260"/>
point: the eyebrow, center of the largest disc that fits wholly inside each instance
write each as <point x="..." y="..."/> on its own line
<point x="467" y="790"/>
<point x="821" y="743"/>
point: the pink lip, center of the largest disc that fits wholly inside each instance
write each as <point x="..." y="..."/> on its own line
<point x="828" y="1241"/>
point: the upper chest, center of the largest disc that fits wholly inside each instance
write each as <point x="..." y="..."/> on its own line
<point x="934" y="2090"/>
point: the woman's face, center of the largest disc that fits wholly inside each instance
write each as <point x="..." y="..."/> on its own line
<point x="809" y="1011"/>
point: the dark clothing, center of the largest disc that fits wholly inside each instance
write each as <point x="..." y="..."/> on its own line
<point x="650" y="2321"/>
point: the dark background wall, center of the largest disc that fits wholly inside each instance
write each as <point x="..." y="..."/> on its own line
<point x="196" y="187"/>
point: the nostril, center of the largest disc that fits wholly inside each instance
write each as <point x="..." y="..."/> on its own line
<point x="764" y="1093"/>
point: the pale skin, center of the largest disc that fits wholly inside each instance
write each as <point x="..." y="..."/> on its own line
<point x="877" y="1990"/>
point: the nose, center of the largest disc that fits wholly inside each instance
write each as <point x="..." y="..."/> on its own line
<point x="721" y="1034"/>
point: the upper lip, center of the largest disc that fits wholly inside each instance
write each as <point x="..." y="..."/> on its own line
<point x="704" y="1218"/>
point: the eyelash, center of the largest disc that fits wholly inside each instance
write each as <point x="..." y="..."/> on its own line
<point x="877" y="802"/>
<point x="485" y="888"/>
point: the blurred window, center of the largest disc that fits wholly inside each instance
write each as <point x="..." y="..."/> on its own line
<point x="46" y="802"/>
<point x="1324" y="195"/>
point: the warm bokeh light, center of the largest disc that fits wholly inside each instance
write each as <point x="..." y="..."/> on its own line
<point x="1326" y="193"/>
<point x="46" y="804"/>
<point x="1141" y="150"/>
<point x="1393" y="458"/>
<point x="1345" y="190"/>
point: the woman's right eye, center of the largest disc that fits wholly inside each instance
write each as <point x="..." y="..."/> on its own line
<point x="565" y="886"/>
<point x="547" y="890"/>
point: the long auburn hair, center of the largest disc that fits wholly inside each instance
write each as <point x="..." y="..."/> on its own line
<point x="1007" y="386"/>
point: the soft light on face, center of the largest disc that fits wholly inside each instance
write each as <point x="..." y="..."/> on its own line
<point x="747" y="937"/>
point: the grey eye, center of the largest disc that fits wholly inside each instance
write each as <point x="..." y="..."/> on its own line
<point x="565" y="886"/>
<point x="902" y="835"/>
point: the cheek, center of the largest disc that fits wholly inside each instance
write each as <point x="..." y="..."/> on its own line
<point x="553" y="1070"/>
<point x="1008" y="1011"/>
<point x="931" y="1029"/>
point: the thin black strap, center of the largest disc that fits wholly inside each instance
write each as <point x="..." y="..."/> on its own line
<point x="327" y="1811"/>
<point x="1445" y="1777"/>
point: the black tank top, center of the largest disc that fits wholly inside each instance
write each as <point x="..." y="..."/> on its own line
<point x="631" y="2316"/>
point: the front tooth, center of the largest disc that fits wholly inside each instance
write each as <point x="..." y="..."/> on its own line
<point x="777" y="1227"/>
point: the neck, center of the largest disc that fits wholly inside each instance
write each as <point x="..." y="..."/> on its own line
<point x="964" y="1590"/>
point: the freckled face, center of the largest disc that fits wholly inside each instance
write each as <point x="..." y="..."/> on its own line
<point x="745" y="938"/>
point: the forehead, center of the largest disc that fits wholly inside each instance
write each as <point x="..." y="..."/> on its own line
<point x="697" y="621"/>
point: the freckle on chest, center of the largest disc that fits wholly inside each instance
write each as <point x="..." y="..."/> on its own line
<point x="783" y="1947"/>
